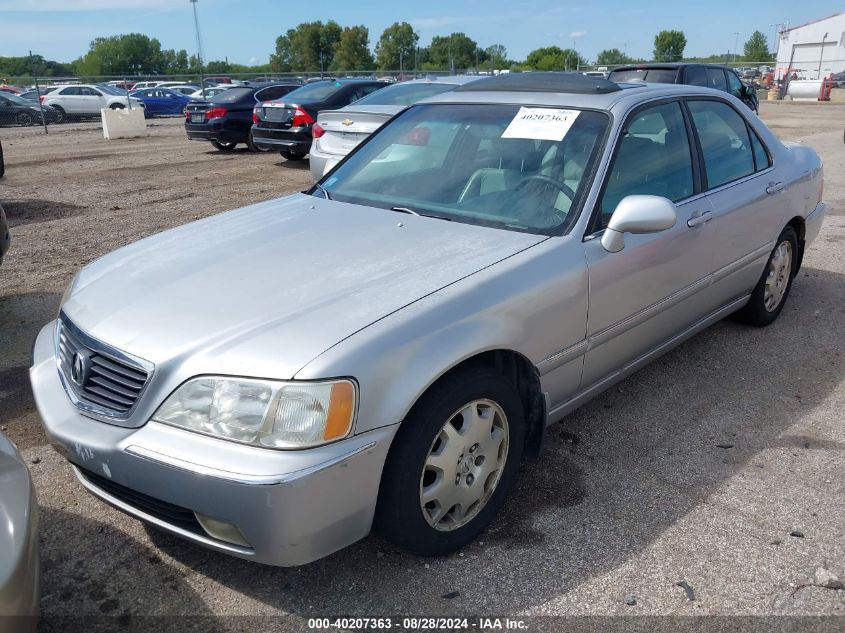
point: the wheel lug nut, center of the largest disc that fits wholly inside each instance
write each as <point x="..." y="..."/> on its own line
<point x="470" y="479"/>
<point x="473" y="448"/>
<point x="457" y="479"/>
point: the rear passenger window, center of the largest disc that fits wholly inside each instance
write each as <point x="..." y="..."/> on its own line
<point x="696" y="76"/>
<point x="761" y="156"/>
<point x="716" y="79"/>
<point x="724" y="142"/>
<point x="734" y="85"/>
<point x="653" y="159"/>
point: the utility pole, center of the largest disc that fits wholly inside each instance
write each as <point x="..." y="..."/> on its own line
<point x="736" y="44"/>
<point x="199" y="45"/>
<point x="821" y="55"/>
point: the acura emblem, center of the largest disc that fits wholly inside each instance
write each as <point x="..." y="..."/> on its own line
<point x="77" y="370"/>
<point x="347" y="122"/>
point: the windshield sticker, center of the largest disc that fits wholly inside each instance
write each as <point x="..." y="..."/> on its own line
<point x="545" y="124"/>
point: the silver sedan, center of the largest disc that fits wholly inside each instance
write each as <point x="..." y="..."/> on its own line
<point x="385" y="349"/>
<point x="19" y="560"/>
<point x="338" y="132"/>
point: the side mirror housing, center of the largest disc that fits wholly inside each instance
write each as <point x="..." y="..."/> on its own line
<point x="637" y="214"/>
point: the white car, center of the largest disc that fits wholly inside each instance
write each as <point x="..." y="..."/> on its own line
<point x="146" y="84"/>
<point x="183" y="89"/>
<point x="87" y="100"/>
<point x="213" y="91"/>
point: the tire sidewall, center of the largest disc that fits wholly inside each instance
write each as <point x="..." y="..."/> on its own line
<point x="400" y="515"/>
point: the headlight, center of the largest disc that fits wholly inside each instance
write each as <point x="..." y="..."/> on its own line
<point x="266" y="413"/>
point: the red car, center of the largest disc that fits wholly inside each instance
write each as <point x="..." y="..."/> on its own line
<point x="13" y="89"/>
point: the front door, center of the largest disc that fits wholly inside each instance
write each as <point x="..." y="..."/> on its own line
<point x="651" y="290"/>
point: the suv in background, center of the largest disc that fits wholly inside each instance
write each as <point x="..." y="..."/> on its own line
<point x="286" y="124"/>
<point x="226" y="119"/>
<point x="706" y="75"/>
<point x="87" y="100"/>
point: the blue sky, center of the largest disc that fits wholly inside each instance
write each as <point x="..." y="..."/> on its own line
<point x="245" y="30"/>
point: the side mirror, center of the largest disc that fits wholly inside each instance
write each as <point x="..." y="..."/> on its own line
<point x="637" y="214"/>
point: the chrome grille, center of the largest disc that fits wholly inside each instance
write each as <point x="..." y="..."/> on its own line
<point x="99" y="379"/>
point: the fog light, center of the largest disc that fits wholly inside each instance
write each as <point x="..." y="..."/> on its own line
<point x="222" y="530"/>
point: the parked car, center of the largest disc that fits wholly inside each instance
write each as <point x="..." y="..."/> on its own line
<point x="84" y="100"/>
<point x="207" y="93"/>
<point x="142" y="85"/>
<point x="708" y="75"/>
<point x="11" y="89"/>
<point x="285" y="124"/>
<point x="337" y="132"/>
<point x="390" y="345"/>
<point x="159" y="101"/>
<point x="15" y="110"/>
<point x="185" y="89"/>
<point x="226" y="119"/>
<point x="19" y="564"/>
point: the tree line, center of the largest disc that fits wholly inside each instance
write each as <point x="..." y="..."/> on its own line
<point x="330" y="47"/>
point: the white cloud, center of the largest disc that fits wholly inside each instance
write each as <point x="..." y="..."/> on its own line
<point x="577" y="34"/>
<point x="448" y="20"/>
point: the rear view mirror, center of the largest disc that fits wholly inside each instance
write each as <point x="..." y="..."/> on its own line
<point x="637" y="214"/>
<point x="417" y="136"/>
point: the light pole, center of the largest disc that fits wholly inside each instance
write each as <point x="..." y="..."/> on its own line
<point x="821" y="55"/>
<point x="199" y="45"/>
<point x="736" y="44"/>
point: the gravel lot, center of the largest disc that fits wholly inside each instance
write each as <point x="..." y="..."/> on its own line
<point x="696" y="469"/>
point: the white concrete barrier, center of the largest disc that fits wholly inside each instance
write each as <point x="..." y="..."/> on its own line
<point x="123" y="123"/>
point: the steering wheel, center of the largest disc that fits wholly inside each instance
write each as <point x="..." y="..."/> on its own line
<point x="560" y="186"/>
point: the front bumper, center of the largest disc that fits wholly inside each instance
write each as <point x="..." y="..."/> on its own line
<point x="291" y="507"/>
<point x="294" y="139"/>
<point x="813" y="223"/>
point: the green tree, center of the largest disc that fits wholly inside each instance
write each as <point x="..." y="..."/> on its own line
<point x="612" y="57"/>
<point x="756" y="49"/>
<point x="308" y="47"/>
<point x="669" y="46"/>
<point x="132" y="54"/>
<point x="554" y="58"/>
<point x="454" y="51"/>
<point x="352" y="51"/>
<point x="397" y="46"/>
<point x="497" y="56"/>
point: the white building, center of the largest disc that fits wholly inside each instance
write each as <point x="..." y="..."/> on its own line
<point x="810" y="47"/>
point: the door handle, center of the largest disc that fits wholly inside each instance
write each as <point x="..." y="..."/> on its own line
<point x="774" y="187"/>
<point x="699" y="218"/>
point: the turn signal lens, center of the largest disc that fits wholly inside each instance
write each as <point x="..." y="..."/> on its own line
<point x="317" y="131"/>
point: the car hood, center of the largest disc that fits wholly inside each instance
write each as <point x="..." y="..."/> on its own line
<point x="263" y="290"/>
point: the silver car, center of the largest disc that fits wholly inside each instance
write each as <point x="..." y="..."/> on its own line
<point x="385" y="349"/>
<point x="19" y="560"/>
<point x="338" y="132"/>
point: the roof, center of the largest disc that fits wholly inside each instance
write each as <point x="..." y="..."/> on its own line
<point x="571" y="83"/>
<point x="792" y="28"/>
<point x="667" y="65"/>
<point x="441" y="79"/>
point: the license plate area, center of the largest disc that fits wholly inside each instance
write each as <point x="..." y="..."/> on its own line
<point x="276" y="114"/>
<point x="197" y="117"/>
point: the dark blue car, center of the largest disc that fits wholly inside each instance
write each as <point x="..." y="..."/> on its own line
<point x="162" y="101"/>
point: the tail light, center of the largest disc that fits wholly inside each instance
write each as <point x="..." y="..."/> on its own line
<point x="255" y="117"/>
<point x="301" y="117"/>
<point x="317" y="131"/>
<point x="213" y="113"/>
<point x="41" y="98"/>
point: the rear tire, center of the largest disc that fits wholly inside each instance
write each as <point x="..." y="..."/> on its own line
<point x="452" y="462"/>
<point x="224" y="147"/>
<point x="770" y="293"/>
<point x="250" y="143"/>
<point x="289" y="155"/>
<point x="117" y="106"/>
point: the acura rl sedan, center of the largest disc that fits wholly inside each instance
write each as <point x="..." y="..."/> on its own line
<point x="383" y="350"/>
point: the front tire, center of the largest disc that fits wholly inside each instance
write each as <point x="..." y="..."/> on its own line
<point x="25" y="119"/>
<point x="61" y="116"/>
<point x="289" y="155"/>
<point x="452" y="462"/>
<point x="770" y="293"/>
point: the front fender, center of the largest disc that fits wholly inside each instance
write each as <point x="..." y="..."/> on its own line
<point x="534" y="303"/>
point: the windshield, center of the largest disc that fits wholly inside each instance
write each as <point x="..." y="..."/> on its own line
<point x="404" y="94"/>
<point x="112" y="90"/>
<point x="523" y="169"/>
<point x="653" y="75"/>
<point x="316" y="91"/>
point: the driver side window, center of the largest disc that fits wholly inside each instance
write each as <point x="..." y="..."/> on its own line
<point x="653" y="158"/>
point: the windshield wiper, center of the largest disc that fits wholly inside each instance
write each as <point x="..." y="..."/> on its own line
<point x="323" y="190"/>
<point x="419" y="213"/>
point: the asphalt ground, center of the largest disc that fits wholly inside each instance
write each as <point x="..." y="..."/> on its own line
<point x="701" y="469"/>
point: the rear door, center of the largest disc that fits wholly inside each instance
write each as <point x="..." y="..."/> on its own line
<point x="744" y="192"/>
<point x="651" y="290"/>
<point x="91" y="100"/>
